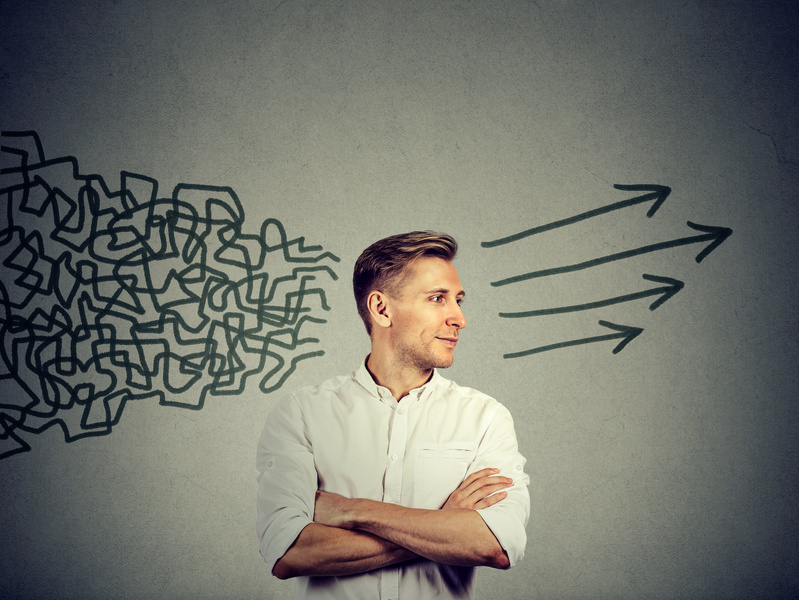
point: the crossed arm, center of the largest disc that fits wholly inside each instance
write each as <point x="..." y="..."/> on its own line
<point x="351" y="536"/>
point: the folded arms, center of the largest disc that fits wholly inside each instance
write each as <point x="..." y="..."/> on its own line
<point x="351" y="536"/>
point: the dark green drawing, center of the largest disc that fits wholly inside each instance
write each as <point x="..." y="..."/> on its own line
<point x="665" y="292"/>
<point x="716" y="235"/>
<point x="111" y="296"/>
<point x="656" y="194"/>
<point x="624" y="333"/>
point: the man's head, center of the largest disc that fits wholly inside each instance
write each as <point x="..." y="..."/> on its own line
<point x="410" y="295"/>
<point x="384" y="265"/>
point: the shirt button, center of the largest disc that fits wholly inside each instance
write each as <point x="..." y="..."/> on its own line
<point x="401" y="410"/>
<point x="518" y="467"/>
<point x="270" y="464"/>
<point x="394" y="457"/>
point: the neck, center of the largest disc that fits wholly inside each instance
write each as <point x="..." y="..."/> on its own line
<point x="399" y="379"/>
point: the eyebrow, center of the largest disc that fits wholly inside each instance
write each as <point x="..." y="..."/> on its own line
<point x="443" y="291"/>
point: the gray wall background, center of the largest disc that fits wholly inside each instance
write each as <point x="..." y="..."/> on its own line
<point x="668" y="470"/>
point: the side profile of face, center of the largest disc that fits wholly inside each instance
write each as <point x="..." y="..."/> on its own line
<point x="426" y="316"/>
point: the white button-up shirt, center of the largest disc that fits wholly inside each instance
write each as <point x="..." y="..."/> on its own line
<point x="351" y="437"/>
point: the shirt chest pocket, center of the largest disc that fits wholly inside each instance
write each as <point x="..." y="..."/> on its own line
<point x="439" y="471"/>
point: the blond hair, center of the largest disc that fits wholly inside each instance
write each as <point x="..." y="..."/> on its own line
<point x="383" y="265"/>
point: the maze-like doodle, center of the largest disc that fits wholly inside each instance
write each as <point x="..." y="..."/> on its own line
<point x="111" y="296"/>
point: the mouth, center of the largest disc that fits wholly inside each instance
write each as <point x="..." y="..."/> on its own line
<point x="448" y="341"/>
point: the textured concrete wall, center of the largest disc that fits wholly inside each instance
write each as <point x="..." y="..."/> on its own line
<point x="664" y="470"/>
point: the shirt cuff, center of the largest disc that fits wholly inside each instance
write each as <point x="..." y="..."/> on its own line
<point x="506" y="528"/>
<point x="273" y="547"/>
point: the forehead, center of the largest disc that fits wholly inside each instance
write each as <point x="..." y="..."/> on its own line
<point x="431" y="273"/>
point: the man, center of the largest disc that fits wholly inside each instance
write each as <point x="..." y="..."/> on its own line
<point x="393" y="482"/>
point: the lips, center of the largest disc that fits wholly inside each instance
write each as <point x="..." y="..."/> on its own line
<point x="449" y="341"/>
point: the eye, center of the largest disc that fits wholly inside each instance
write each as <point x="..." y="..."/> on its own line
<point x="437" y="298"/>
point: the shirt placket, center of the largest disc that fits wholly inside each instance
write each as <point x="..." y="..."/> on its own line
<point x="392" y="490"/>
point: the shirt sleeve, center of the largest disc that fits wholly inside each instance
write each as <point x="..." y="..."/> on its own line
<point x="287" y="480"/>
<point x="508" y="518"/>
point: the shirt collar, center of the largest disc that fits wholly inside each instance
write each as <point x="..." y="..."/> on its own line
<point x="364" y="377"/>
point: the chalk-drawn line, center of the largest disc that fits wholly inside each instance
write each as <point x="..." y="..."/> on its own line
<point x="664" y="292"/>
<point x="658" y="193"/>
<point x="109" y="296"/>
<point x="715" y="235"/>
<point x="624" y="333"/>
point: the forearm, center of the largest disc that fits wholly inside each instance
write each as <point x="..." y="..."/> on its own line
<point x="456" y="536"/>
<point x="321" y="550"/>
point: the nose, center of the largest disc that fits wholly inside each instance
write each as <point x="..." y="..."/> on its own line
<point x="456" y="319"/>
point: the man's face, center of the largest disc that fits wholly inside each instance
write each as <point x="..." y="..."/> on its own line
<point x="427" y="316"/>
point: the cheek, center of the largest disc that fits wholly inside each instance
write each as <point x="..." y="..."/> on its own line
<point x="430" y="330"/>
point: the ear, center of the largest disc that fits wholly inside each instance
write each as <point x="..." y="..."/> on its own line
<point x="377" y="303"/>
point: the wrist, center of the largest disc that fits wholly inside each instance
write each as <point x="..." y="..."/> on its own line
<point x="356" y="516"/>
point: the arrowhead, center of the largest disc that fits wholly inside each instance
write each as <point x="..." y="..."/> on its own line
<point x="673" y="286"/>
<point x="658" y="193"/>
<point x="628" y="334"/>
<point x="717" y="235"/>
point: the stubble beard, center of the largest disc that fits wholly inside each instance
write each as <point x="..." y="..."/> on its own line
<point x="423" y="357"/>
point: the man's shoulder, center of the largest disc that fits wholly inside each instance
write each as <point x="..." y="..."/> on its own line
<point x="331" y="385"/>
<point x="465" y="393"/>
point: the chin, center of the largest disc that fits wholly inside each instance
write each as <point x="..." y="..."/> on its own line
<point x="444" y="364"/>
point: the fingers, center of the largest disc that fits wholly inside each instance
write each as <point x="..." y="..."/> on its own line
<point x="487" y="488"/>
<point x="480" y="489"/>
<point x="493" y="488"/>
<point x="479" y="474"/>
<point x="491" y="500"/>
<point x="480" y="479"/>
<point x="486" y="482"/>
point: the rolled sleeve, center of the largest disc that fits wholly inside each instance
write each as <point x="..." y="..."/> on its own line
<point x="287" y="481"/>
<point x="507" y="519"/>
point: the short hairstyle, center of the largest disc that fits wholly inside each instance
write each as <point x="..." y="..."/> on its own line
<point x="384" y="264"/>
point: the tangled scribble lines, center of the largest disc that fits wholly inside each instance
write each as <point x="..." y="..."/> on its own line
<point x="110" y="296"/>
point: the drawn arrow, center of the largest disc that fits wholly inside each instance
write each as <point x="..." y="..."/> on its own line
<point x="665" y="292"/>
<point x="658" y="193"/>
<point x="625" y="334"/>
<point x="716" y="235"/>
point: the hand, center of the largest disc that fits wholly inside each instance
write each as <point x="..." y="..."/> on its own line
<point x="332" y="510"/>
<point x="481" y="489"/>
